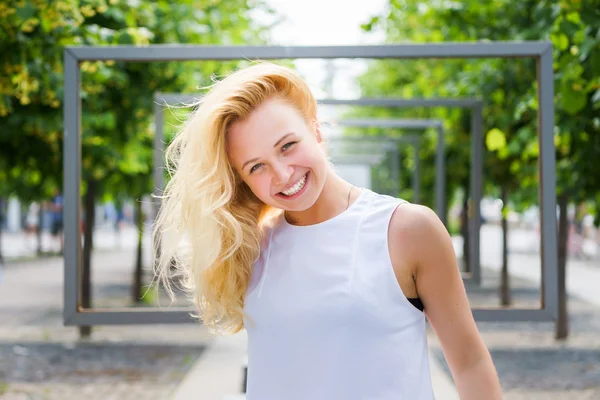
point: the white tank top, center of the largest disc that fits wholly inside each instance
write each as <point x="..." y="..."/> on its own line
<point x="328" y="319"/>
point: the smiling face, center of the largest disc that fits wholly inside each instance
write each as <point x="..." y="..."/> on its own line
<point x="278" y="156"/>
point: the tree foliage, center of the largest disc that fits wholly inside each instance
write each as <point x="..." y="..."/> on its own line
<point x="509" y="89"/>
<point x="116" y="96"/>
<point x="507" y="86"/>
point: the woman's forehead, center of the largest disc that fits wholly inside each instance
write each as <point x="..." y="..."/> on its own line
<point x="265" y="124"/>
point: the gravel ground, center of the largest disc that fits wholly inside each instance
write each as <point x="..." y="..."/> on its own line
<point x="94" y="370"/>
<point x="531" y="364"/>
<point x="50" y="362"/>
<point x="40" y="359"/>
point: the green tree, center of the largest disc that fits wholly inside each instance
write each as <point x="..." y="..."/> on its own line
<point x="510" y="91"/>
<point x="117" y="97"/>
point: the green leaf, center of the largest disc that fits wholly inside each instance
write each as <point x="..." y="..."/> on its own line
<point x="26" y="10"/>
<point x="573" y="101"/>
<point x="596" y="97"/>
<point x="531" y="151"/>
<point x="495" y="140"/>
<point x="561" y="41"/>
<point x="573" y="17"/>
<point x="515" y="166"/>
<point x="368" y="27"/>
<point x="585" y="48"/>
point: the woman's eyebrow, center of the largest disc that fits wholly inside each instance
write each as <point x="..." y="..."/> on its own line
<point x="248" y="162"/>
<point x="281" y="139"/>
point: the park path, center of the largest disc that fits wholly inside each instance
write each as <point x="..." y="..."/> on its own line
<point x="40" y="358"/>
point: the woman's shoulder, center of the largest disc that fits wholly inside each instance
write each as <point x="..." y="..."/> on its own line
<point x="376" y="198"/>
<point x="416" y="219"/>
<point x="379" y="206"/>
<point x="416" y="228"/>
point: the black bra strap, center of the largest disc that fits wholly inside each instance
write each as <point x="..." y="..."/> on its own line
<point x="417" y="303"/>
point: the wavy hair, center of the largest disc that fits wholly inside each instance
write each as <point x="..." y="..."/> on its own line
<point x="210" y="225"/>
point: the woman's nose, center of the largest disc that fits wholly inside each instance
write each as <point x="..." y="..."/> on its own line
<point x="283" y="173"/>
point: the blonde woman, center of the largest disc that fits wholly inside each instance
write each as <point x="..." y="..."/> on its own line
<point x="331" y="282"/>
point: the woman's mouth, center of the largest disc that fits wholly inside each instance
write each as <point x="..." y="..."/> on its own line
<point x="295" y="190"/>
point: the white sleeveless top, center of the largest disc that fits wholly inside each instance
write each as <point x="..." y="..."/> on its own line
<point x="328" y="319"/>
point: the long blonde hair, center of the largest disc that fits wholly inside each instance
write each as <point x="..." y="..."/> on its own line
<point x="209" y="227"/>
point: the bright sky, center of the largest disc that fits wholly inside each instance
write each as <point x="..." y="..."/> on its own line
<point x="327" y="22"/>
<point x="324" y="22"/>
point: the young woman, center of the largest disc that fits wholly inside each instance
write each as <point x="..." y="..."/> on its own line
<point x="332" y="282"/>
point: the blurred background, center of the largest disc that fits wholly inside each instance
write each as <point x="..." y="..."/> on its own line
<point x="42" y="359"/>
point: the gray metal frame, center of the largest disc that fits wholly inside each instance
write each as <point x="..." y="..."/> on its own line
<point x="390" y="146"/>
<point x="369" y="160"/>
<point x="365" y="159"/>
<point x="414" y="140"/>
<point x="416" y="124"/>
<point x="477" y="151"/>
<point x="541" y="51"/>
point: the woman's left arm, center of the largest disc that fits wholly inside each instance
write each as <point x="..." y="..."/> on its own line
<point x="441" y="289"/>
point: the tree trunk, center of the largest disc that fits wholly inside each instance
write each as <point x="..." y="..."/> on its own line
<point x="38" y="234"/>
<point x="2" y="212"/>
<point x="137" y="272"/>
<point x="505" y="298"/>
<point x="464" y="231"/>
<point x="562" y="324"/>
<point x="1" y="255"/>
<point x="446" y="212"/>
<point x="88" y="245"/>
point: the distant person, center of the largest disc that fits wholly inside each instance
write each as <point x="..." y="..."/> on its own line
<point x="2" y="218"/>
<point x="32" y="222"/>
<point x="2" y="213"/>
<point x="119" y="220"/>
<point x="332" y="282"/>
<point x="56" y="222"/>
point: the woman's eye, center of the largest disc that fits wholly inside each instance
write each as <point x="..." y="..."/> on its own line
<point x="288" y="145"/>
<point x="254" y="168"/>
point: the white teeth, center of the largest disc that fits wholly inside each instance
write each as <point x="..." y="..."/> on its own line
<point x="296" y="188"/>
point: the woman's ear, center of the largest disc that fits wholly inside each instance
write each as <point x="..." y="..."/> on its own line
<point x="317" y="130"/>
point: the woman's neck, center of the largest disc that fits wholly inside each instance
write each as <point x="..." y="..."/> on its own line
<point x="337" y="195"/>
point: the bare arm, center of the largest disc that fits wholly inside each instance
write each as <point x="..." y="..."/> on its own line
<point x="428" y="247"/>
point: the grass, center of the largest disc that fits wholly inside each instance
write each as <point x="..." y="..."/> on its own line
<point x="3" y="388"/>
<point x="149" y="296"/>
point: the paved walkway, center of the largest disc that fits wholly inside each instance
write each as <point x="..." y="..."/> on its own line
<point x="31" y="329"/>
<point x="42" y="359"/>
<point x="20" y="245"/>
<point x="218" y="373"/>
<point x="583" y="276"/>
